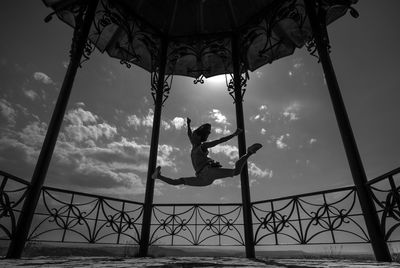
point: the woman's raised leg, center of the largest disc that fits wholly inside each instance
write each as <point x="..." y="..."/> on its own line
<point x="157" y="175"/>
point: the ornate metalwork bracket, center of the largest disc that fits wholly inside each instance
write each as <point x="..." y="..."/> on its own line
<point x="231" y="85"/>
<point x="321" y="13"/>
<point x="165" y="89"/>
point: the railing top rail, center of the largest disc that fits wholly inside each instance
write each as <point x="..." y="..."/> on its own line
<point x="384" y="176"/>
<point x="90" y="195"/>
<point x="8" y="175"/>
<point x="197" y="204"/>
<point x="305" y="195"/>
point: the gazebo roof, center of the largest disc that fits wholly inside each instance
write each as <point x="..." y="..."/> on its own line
<point x="199" y="32"/>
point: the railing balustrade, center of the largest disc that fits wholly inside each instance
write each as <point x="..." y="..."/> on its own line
<point x="325" y="217"/>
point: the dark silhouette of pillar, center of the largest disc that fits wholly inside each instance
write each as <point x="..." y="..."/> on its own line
<point x="148" y="200"/>
<point x="244" y="176"/>
<point x="376" y="235"/>
<point x="21" y="233"/>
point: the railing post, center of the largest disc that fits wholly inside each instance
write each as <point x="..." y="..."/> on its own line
<point x="244" y="176"/>
<point x="376" y="235"/>
<point x="148" y="200"/>
<point x="81" y="33"/>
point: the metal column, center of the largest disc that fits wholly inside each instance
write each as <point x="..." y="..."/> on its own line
<point x="244" y="176"/>
<point x="148" y="200"/>
<point x="376" y="235"/>
<point x="21" y="233"/>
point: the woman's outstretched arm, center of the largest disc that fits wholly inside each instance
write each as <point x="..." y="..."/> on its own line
<point x="189" y="129"/>
<point x="213" y="143"/>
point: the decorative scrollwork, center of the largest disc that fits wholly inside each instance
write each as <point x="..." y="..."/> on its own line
<point x="160" y="92"/>
<point x="386" y="195"/>
<point x="199" y="79"/>
<point x="196" y="53"/>
<point x="10" y="200"/>
<point x="197" y="225"/>
<point x="300" y="221"/>
<point x="130" y="31"/>
<point x="244" y="77"/>
<point x="91" y="220"/>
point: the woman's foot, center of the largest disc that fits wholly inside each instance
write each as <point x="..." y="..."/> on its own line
<point x="254" y="148"/>
<point x="156" y="173"/>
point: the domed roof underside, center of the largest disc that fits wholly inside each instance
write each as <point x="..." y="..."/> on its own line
<point x="199" y="32"/>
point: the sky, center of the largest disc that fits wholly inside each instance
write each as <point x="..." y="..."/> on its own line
<point x="104" y="143"/>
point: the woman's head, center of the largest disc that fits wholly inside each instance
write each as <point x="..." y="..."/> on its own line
<point x="202" y="132"/>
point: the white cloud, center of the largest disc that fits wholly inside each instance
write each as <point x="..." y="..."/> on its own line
<point x="218" y="117"/>
<point x="263" y="114"/>
<point x="65" y="64"/>
<point x="258" y="172"/>
<point x="133" y="120"/>
<point x="312" y="140"/>
<point x="230" y="151"/>
<point x="30" y="94"/>
<point x="165" y="125"/>
<point x="147" y="120"/>
<point x="279" y="142"/>
<point x="83" y="126"/>
<point x="178" y="122"/>
<point x="224" y="131"/>
<point x="298" y="63"/>
<point x="263" y="131"/>
<point x="7" y="112"/>
<point x="291" y="111"/>
<point x="44" y="78"/>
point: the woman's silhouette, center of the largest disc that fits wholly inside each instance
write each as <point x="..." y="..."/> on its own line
<point x="207" y="170"/>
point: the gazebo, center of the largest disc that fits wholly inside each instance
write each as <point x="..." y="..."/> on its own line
<point x="199" y="39"/>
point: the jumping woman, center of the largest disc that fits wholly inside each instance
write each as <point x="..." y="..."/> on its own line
<point x="207" y="170"/>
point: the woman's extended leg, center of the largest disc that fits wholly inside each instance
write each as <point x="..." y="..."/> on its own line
<point x="157" y="175"/>
<point x="242" y="160"/>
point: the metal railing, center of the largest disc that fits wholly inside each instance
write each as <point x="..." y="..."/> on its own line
<point x="325" y="217"/>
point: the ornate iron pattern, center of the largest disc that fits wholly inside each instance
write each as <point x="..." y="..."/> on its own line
<point x="68" y="216"/>
<point x="197" y="224"/>
<point x="199" y="49"/>
<point x="385" y="192"/>
<point x="277" y="12"/>
<point x="322" y="7"/>
<point x="166" y="87"/>
<point x="244" y="77"/>
<point x="12" y="193"/>
<point x="330" y="217"/>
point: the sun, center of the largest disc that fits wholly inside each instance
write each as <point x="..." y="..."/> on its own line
<point x="216" y="81"/>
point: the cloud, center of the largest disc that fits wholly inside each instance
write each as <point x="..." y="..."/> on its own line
<point x="263" y="131"/>
<point x="145" y="121"/>
<point x="262" y="115"/>
<point x="178" y="122"/>
<point x="28" y="141"/>
<point x="133" y="120"/>
<point x="230" y="151"/>
<point x="218" y="117"/>
<point x="312" y="141"/>
<point x="7" y="112"/>
<point x="258" y="172"/>
<point x="259" y="74"/>
<point x="291" y="112"/>
<point x="224" y="131"/>
<point x="279" y="142"/>
<point x="298" y="63"/>
<point x="44" y="78"/>
<point x="30" y="94"/>
<point x="83" y="126"/>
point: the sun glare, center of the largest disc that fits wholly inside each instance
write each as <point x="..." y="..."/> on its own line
<point x="216" y="81"/>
